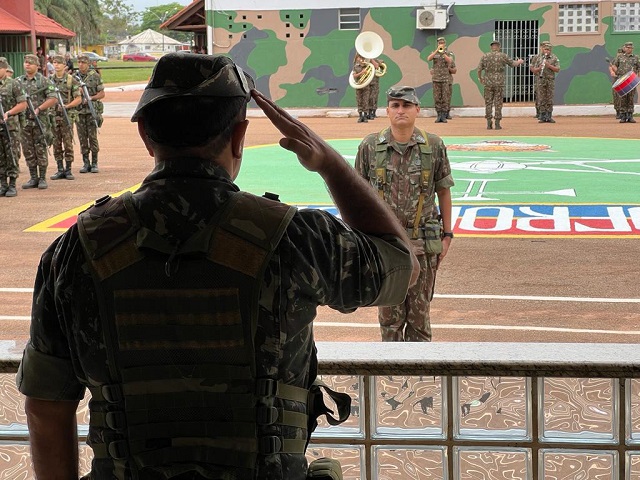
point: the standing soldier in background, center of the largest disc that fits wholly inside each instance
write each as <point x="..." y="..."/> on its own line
<point x="374" y="89"/>
<point x="545" y="65"/>
<point x="360" y="65"/>
<point x="36" y="132"/>
<point x="493" y="64"/>
<point x="441" y="76"/>
<point x="624" y="63"/>
<point x="86" y="126"/>
<point x="13" y="102"/>
<point x="69" y="91"/>
<point x="409" y="168"/>
<point x="616" y="97"/>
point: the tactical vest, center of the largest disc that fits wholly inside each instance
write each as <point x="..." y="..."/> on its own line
<point x="378" y="176"/>
<point x="179" y="324"/>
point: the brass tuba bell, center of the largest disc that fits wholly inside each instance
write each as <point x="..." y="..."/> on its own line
<point x="368" y="45"/>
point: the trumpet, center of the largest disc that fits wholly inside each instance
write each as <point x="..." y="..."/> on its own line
<point x="544" y="64"/>
<point x="440" y="49"/>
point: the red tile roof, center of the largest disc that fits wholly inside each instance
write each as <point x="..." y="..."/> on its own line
<point x="45" y="27"/>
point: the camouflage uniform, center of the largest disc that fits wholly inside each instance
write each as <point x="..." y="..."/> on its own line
<point x="87" y="131"/>
<point x="374" y="93"/>
<point x="62" y="133"/>
<point x="442" y="80"/>
<point x="363" y="95"/>
<point x="10" y="94"/>
<point x="545" y="84"/>
<point x="616" y="97"/>
<point x="34" y="143"/>
<point x="493" y="63"/>
<point x="625" y="63"/>
<point x="408" y="321"/>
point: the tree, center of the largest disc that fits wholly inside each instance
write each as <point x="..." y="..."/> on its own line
<point x="81" y="16"/>
<point x="118" y="20"/>
<point x="153" y="17"/>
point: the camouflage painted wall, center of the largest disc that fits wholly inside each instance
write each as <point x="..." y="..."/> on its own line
<point x="301" y="58"/>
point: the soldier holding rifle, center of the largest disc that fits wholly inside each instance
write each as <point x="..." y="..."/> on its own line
<point x="68" y="94"/>
<point x="12" y="102"/>
<point x="89" y="114"/>
<point x="36" y="134"/>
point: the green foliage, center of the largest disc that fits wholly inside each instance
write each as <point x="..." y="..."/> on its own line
<point x="81" y="16"/>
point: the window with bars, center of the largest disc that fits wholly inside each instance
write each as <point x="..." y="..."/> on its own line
<point x="349" y="19"/>
<point x="626" y="16"/>
<point x="578" y="18"/>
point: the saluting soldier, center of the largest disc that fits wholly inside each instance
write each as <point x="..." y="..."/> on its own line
<point x="62" y="131"/>
<point x="493" y="64"/>
<point x="441" y="76"/>
<point x="544" y="66"/>
<point x="87" y="129"/>
<point x="624" y="63"/>
<point x="35" y="140"/>
<point x="13" y="102"/>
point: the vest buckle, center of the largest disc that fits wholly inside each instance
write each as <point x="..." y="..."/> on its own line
<point x="112" y="393"/>
<point x="269" y="445"/>
<point x="118" y="450"/>
<point x="267" y="415"/>
<point x="266" y="387"/>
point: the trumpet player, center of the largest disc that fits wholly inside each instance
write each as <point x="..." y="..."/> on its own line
<point x="544" y="66"/>
<point x="442" y="69"/>
<point x="361" y="68"/>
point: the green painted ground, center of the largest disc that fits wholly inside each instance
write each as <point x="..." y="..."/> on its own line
<point x="513" y="170"/>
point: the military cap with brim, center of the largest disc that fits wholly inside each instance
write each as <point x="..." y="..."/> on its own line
<point x="32" y="59"/>
<point x="494" y="42"/>
<point x="194" y="75"/>
<point x="408" y="94"/>
<point x="440" y="39"/>
<point x="57" y="58"/>
<point x="4" y="63"/>
<point x="629" y="44"/>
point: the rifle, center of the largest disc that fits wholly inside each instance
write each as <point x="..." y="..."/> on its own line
<point x="87" y="98"/>
<point x="64" y="110"/>
<point x="7" y="135"/>
<point x="32" y="111"/>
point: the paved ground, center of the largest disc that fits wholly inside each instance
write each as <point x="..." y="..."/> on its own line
<point x="579" y="270"/>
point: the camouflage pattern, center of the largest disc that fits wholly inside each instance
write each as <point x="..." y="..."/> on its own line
<point x="616" y="97"/>
<point x="545" y="83"/>
<point x="319" y="261"/>
<point x="34" y="144"/>
<point x="374" y="93"/>
<point x="406" y="93"/>
<point x="442" y="81"/>
<point x="408" y="321"/>
<point x="87" y="131"/>
<point x="10" y="94"/>
<point x="493" y="65"/>
<point x="625" y="63"/>
<point x="69" y="88"/>
<point x="363" y="95"/>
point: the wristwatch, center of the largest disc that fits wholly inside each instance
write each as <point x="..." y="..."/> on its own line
<point x="448" y="234"/>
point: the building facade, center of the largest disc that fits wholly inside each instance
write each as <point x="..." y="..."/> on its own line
<point x="303" y="57"/>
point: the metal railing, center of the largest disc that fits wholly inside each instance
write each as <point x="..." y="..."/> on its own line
<point x="469" y="410"/>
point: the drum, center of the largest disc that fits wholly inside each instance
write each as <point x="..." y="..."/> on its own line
<point x="626" y="83"/>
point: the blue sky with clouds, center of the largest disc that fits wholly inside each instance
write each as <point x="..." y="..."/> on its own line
<point x="140" y="5"/>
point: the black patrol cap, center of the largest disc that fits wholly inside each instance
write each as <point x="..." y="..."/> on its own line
<point x="184" y="74"/>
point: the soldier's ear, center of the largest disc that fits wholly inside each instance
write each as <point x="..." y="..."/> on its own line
<point x="143" y="135"/>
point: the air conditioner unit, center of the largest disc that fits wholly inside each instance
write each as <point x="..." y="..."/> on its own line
<point x="431" y="18"/>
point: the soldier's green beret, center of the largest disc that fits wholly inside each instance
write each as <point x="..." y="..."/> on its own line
<point x="4" y="63"/>
<point x="196" y="75"/>
<point x="32" y="59"/>
<point x="57" y="58"/>
<point x="629" y="44"/>
<point x="407" y="94"/>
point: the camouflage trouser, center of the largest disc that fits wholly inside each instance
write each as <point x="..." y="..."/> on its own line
<point x="449" y="95"/>
<point x="373" y="93"/>
<point x="493" y="100"/>
<point x="409" y="321"/>
<point x="546" y="89"/>
<point x="441" y="96"/>
<point x="9" y="168"/>
<point x="34" y="146"/>
<point x="616" y="101"/>
<point x="536" y="84"/>
<point x="62" y="140"/>
<point x="87" y="134"/>
<point x="362" y="98"/>
<point x="627" y="101"/>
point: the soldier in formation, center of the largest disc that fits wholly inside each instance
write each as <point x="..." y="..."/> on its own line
<point x="89" y="119"/>
<point x="544" y="67"/>
<point x="491" y="75"/>
<point x="36" y="131"/>
<point x="13" y="102"/>
<point x="410" y="168"/>
<point x="442" y="72"/>
<point x="363" y="94"/>
<point x="65" y="114"/>
<point x="623" y="64"/>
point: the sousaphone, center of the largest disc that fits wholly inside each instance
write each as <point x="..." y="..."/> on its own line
<point x="369" y="45"/>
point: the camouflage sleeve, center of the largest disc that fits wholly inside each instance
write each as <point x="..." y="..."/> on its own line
<point x="442" y="174"/>
<point x="333" y="265"/>
<point x="363" y="158"/>
<point x="18" y="93"/>
<point x="481" y="64"/>
<point x="51" y="89"/>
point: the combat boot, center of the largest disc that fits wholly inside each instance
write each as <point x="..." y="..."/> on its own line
<point x="489" y="124"/>
<point x="363" y="118"/>
<point x="67" y="172"/>
<point x="33" y="181"/>
<point x="11" y="192"/>
<point x="448" y="115"/>
<point x="372" y="114"/>
<point x="4" y="186"/>
<point x="542" y="118"/>
<point x="438" y="118"/>
<point x="94" y="162"/>
<point x="630" y="118"/>
<point x="623" y="118"/>
<point x="85" y="163"/>
<point x="60" y="173"/>
<point x="549" y="118"/>
<point x="537" y="113"/>
<point x="42" y="181"/>
<point x="498" y="127"/>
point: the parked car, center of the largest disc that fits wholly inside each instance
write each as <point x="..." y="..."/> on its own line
<point x="139" y="57"/>
<point x="94" y="57"/>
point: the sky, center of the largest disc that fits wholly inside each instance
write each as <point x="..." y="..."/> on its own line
<point x="141" y="5"/>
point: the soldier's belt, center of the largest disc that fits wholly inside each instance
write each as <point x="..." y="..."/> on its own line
<point x="420" y="232"/>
